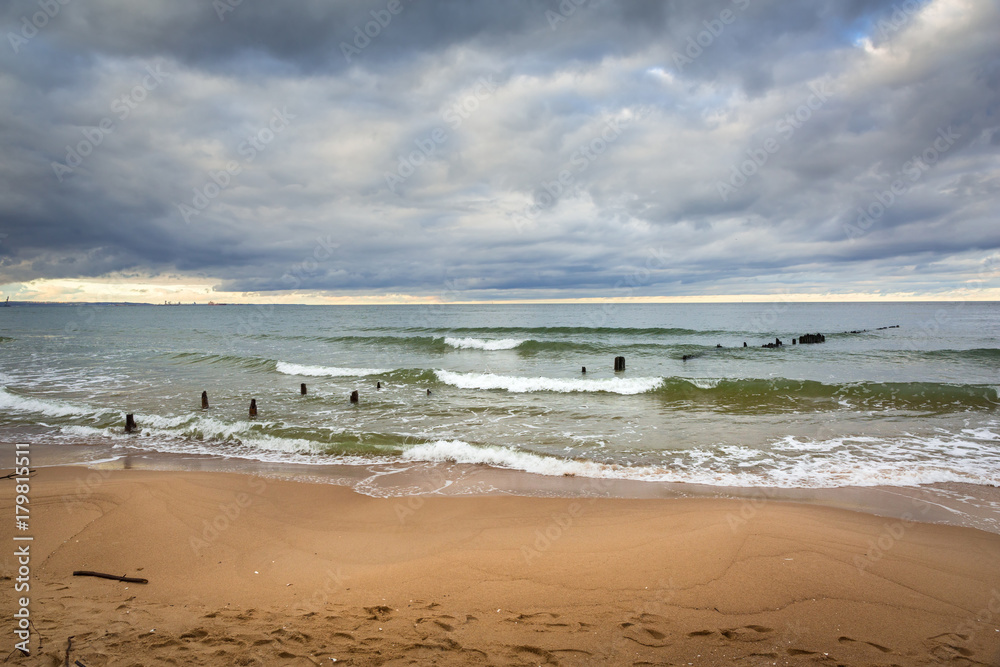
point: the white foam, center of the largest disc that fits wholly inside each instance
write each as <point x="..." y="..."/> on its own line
<point x="483" y="344"/>
<point x="50" y="407"/>
<point x="326" y="371"/>
<point x="981" y="433"/>
<point x="211" y="437"/>
<point x="457" y="451"/>
<point x="844" y="464"/>
<point x="520" y="385"/>
<point x="704" y="383"/>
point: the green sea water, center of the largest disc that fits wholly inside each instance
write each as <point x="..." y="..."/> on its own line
<point x="503" y="386"/>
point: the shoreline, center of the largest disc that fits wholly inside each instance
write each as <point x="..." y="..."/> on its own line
<point x="254" y="570"/>
<point x="951" y="503"/>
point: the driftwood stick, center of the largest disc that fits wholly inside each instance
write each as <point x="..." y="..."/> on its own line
<point x="69" y="647"/>
<point x="13" y="475"/>
<point x="130" y="580"/>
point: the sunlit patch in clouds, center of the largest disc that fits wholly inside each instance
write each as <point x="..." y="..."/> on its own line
<point x="465" y="155"/>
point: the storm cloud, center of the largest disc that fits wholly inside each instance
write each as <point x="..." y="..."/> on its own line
<point x="491" y="150"/>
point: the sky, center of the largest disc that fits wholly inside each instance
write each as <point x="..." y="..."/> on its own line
<point x="395" y="151"/>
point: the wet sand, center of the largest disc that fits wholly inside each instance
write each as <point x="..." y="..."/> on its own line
<point x="247" y="570"/>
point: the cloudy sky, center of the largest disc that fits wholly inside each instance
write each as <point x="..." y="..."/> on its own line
<point x="408" y="150"/>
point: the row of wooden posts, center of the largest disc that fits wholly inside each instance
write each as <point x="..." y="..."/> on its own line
<point x="130" y="418"/>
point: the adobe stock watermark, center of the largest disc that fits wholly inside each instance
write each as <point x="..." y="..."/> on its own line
<point x="85" y="488"/>
<point x="986" y="619"/>
<point x="566" y="9"/>
<point x="249" y="149"/>
<point x="223" y="7"/>
<point x="768" y="320"/>
<point x="749" y="509"/>
<point x="656" y="259"/>
<point x="122" y="107"/>
<point x="30" y="27"/>
<point x="928" y="331"/>
<point x="579" y="162"/>
<point x="902" y="14"/>
<point x="431" y="312"/>
<point x="334" y="581"/>
<point x="454" y="115"/>
<point x="381" y="18"/>
<point x="322" y="252"/>
<point x="911" y="172"/>
<point x="785" y="127"/>
<point x="436" y="480"/>
<point x="892" y="532"/>
<point x="697" y="44"/>
<point x="229" y="514"/>
<point x="560" y="522"/>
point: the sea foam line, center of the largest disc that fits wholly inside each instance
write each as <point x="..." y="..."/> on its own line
<point x="483" y="344"/>
<point x="457" y="451"/>
<point x="326" y="371"/>
<point x="521" y="385"/>
<point x="50" y="407"/>
<point x="726" y="469"/>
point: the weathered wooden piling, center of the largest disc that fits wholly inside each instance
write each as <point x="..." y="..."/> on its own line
<point x="204" y="400"/>
<point x="253" y="408"/>
<point x="584" y="370"/>
<point x="129" y="423"/>
<point x="354" y="396"/>
<point x="302" y="388"/>
<point x="619" y="364"/>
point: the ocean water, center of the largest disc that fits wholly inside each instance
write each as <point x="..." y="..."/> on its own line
<point x="915" y="404"/>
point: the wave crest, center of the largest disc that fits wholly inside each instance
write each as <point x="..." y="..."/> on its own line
<point x="483" y="344"/>
<point x="326" y="371"/>
<point x="522" y="385"/>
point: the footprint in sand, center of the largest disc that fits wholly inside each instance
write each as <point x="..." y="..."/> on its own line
<point x="701" y="633"/>
<point x="849" y="640"/>
<point x="443" y="622"/>
<point x="379" y="613"/>
<point x="647" y="630"/>
<point x="535" y="653"/>
<point x="748" y="633"/>
<point x="948" y="646"/>
<point x="197" y="633"/>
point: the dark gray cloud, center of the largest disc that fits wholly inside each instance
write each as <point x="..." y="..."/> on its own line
<point x="532" y="148"/>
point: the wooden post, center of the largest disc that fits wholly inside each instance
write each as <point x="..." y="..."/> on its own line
<point x="378" y="385"/>
<point x="204" y="400"/>
<point x="584" y="370"/>
<point x="253" y="408"/>
<point x="129" y="423"/>
<point x="302" y="389"/>
<point x="619" y="364"/>
<point x="354" y="396"/>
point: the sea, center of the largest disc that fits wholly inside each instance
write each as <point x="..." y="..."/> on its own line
<point x="514" y="398"/>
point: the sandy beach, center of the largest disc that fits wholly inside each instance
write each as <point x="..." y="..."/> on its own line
<point x="247" y="570"/>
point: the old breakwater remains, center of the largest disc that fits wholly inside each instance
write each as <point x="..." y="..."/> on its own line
<point x="773" y="395"/>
